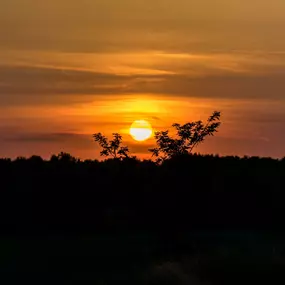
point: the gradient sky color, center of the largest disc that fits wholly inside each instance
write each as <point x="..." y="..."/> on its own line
<point x="70" y="68"/>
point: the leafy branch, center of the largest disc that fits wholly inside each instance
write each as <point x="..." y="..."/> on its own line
<point x="188" y="136"/>
<point x="112" y="148"/>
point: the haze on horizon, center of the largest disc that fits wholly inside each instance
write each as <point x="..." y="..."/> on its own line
<point x="71" y="68"/>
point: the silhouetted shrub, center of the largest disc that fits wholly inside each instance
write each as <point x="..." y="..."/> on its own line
<point x="188" y="136"/>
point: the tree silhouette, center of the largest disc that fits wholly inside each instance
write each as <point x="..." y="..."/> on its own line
<point x="112" y="148"/>
<point x="64" y="157"/>
<point x="188" y="136"/>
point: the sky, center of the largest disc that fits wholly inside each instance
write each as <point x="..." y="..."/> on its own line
<point x="72" y="68"/>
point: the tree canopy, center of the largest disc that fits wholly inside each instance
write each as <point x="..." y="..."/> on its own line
<point x="188" y="136"/>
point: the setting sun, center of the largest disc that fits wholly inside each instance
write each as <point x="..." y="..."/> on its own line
<point x="141" y="130"/>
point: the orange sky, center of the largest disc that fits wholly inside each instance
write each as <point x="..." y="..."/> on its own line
<point x="72" y="68"/>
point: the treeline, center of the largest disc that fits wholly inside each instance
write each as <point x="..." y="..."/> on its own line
<point x="188" y="192"/>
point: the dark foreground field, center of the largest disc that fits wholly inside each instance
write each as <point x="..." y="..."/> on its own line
<point x="201" y="258"/>
<point x="192" y="220"/>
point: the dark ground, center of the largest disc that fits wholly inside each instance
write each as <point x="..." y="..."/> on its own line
<point x="201" y="258"/>
<point x="192" y="220"/>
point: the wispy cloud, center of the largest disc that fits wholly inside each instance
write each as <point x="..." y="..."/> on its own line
<point x="235" y="75"/>
<point x="48" y="137"/>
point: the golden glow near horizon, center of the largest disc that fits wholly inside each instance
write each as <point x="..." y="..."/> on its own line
<point x="141" y="130"/>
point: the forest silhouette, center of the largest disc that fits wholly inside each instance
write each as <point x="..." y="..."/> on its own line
<point x="185" y="192"/>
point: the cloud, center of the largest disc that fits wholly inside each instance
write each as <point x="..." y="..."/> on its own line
<point x="73" y="138"/>
<point x="155" y="118"/>
<point x="28" y="84"/>
<point x="34" y="80"/>
<point x="259" y="146"/>
<point x="13" y="144"/>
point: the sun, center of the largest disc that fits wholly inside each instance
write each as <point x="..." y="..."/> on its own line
<point x="141" y="130"/>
